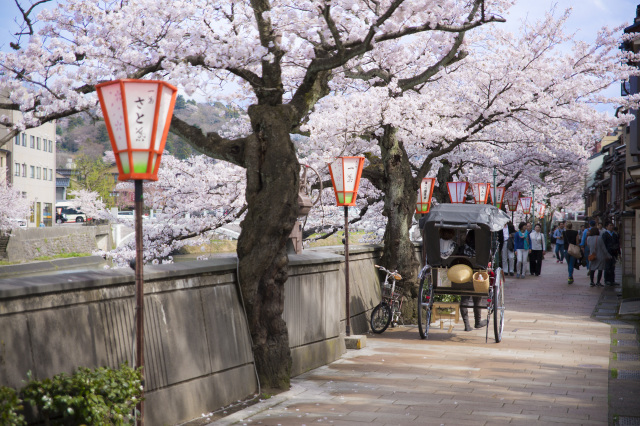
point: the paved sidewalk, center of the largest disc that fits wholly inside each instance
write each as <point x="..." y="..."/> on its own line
<point x="551" y="368"/>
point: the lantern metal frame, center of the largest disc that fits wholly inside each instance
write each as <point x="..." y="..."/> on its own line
<point x="341" y="176"/>
<point x="460" y="189"/>
<point x="423" y="205"/>
<point x="145" y="116"/>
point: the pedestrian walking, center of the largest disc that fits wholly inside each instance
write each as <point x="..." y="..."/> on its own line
<point x="507" y="249"/>
<point x="560" y="249"/>
<point x="598" y="256"/>
<point x="529" y="231"/>
<point x="570" y="237"/>
<point x="583" y="241"/>
<point x="612" y="244"/>
<point x="521" y="245"/>
<point x="552" y="240"/>
<point x="536" y="254"/>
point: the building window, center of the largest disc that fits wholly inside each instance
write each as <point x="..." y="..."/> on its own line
<point x="24" y="139"/>
<point x="50" y="146"/>
<point x="17" y="138"/>
<point x="38" y="143"/>
<point x="39" y="172"/>
<point x="17" y="170"/>
<point x="32" y="172"/>
<point x="32" y="141"/>
<point x="44" y="173"/>
<point x="50" y="174"/>
<point x="24" y="170"/>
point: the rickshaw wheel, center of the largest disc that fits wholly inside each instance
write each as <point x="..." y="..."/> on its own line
<point x="498" y="305"/>
<point x="380" y="318"/>
<point x="425" y="303"/>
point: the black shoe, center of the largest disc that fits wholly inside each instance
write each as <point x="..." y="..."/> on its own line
<point x="467" y="327"/>
<point x="599" y="285"/>
<point x="592" y="284"/>
<point x="510" y="273"/>
<point x="481" y="324"/>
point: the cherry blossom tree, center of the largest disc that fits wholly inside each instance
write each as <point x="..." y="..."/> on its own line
<point x="283" y="55"/>
<point x="12" y="206"/>
<point x="523" y="104"/>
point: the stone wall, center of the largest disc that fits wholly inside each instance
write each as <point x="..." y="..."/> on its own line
<point x="197" y="345"/>
<point x="28" y="244"/>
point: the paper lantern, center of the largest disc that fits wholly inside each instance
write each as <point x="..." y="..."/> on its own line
<point x="480" y="192"/>
<point x="345" y="176"/>
<point x="424" y="196"/>
<point x="457" y="191"/>
<point x="137" y="114"/>
<point x="525" y="202"/>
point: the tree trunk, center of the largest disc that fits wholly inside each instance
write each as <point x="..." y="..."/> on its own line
<point x="400" y="195"/>
<point x="272" y="198"/>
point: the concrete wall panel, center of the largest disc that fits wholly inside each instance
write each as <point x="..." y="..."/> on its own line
<point x="181" y="325"/>
<point x="62" y="340"/>
<point x="169" y="406"/>
<point x="15" y="350"/>
<point x="227" y="333"/>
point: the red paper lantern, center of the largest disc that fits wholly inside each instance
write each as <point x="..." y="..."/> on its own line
<point x="500" y="195"/>
<point x="457" y="191"/>
<point x="512" y="199"/>
<point x="525" y="202"/>
<point x="345" y="176"/>
<point x="480" y="192"/>
<point x="540" y="209"/>
<point x="424" y="195"/>
<point x="137" y="114"/>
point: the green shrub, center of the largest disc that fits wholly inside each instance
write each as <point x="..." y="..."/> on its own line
<point x="10" y="407"/>
<point x="103" y="396"/>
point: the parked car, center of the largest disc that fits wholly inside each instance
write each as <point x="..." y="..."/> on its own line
<point x="69" y="214"/>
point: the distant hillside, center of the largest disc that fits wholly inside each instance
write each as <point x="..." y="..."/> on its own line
<point x="82" y="134"/>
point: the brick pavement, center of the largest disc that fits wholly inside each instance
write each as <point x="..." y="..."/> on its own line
<point x="551" y="368"/>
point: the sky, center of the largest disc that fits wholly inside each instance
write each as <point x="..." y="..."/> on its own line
<point x="587" y="17"/>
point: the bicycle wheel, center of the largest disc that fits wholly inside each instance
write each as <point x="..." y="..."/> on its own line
<point x="425" y="303"/>
<point x="498" y="305"/>
<point x="380" y="318"/>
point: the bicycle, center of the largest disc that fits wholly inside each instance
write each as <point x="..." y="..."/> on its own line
<point x="389" y="308"/>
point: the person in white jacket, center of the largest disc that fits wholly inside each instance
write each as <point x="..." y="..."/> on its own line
<point x="536" y="252"/>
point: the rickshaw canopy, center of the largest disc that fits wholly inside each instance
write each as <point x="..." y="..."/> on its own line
<point x="479" y="220"/>
<point x="456" y="215"/>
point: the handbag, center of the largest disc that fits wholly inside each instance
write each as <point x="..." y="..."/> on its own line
<point x="574" y="251"/>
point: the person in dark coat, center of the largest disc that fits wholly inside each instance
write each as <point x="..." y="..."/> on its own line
<point x="612" y="244"/>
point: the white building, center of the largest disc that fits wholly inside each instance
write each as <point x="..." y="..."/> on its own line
<point x="29" y="164"/>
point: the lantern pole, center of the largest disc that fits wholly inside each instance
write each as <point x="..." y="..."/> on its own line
<point x="346" y="266"/>
<point x="139" y="291"/>
<point x="533" y="203"/>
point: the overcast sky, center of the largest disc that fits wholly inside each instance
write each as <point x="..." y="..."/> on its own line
<point x="587" y="17"/>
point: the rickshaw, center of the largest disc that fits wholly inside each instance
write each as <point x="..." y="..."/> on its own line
<point x="473" y="231"/>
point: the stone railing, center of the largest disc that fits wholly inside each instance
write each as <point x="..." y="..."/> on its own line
<point x="197" y="346"/>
